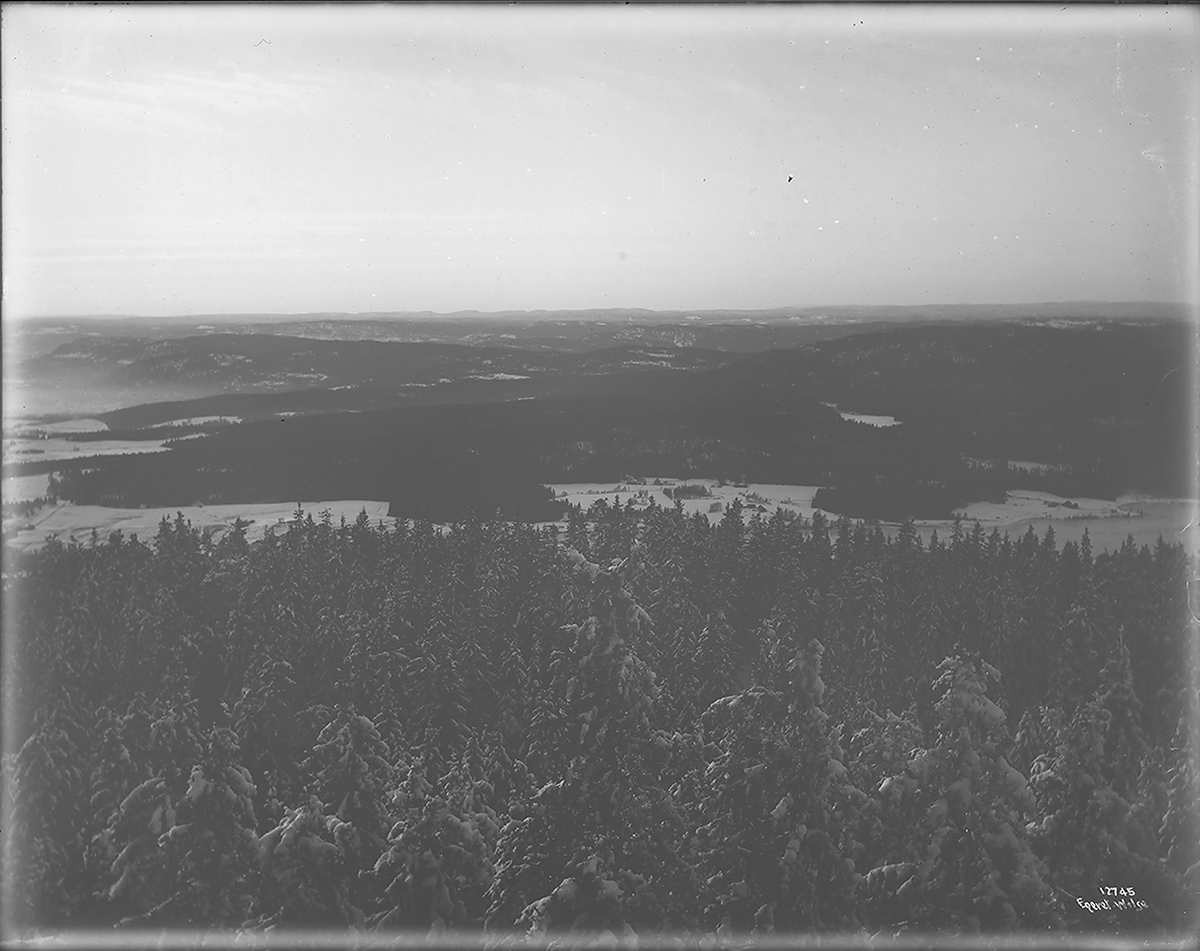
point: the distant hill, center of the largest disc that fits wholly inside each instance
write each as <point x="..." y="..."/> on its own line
<point x="1102" y="406"/>
<point x="254" y="375"/>
<point x="104" y="364"/>
<point x="1108" y="310"/>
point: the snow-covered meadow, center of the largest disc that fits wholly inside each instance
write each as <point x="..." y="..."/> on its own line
<point x="1107" y="523"/>
<point x="754" y="496"/>
<point x="63" y="450"/>
<point x="77" y="521"/>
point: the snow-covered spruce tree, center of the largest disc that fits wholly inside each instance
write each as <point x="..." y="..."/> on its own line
<point x="606" y="826"/>
<point x="119" y="764"/>
<point x="1180" y="828"/>
<point x="211" y="854"/>
<point x="137" y="873"/>
<point x="514" y="690"/>
<point x="1083" y="643"/>
<point x="775" y="805"/>
<point x="1087" y="786"/>
<point x="578" y="538"/>
<point x="439" y="720"/>
<point x="968" y="866"/>
<point x="351" y="772"/>
<point x="1036" y="734"/>
<point x="509" y="778"/>
<point x="879" y="749"/>
<point x="137" y="877"/>
<point x="119" y="760"/>
<point x="694" y="654"/>
<point x="472" y="783"/>
<point x="176" y="743"/>
<point x="303" y="862"/>
<point x="439" y="865"/>
<point x="276" y="728"/>
<point x="868" y="663"/>
<point x="882" y="746"/>
<point x="1125" y="747"/>
<point x="45" y="841"/>
<point x="708" y="665"/>
<point x="588" y="901"/>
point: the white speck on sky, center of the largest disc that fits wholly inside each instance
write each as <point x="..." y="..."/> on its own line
<point x="160" y="159"/>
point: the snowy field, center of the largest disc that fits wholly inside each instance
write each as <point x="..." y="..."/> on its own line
<point x="880" y="421"/>
<point x="1023" y="504"/>
<point x="62" y="427"/>
<point x="77" y="521"/>
<point x="792" y="498"/>
<point x="1108" y="524"/>
<point x="58" y="450"/>
<point x="199" y="421"/>
<point x="26" y="488"/>
<point x="865" y="418"/>
<point x="19" y="446"/>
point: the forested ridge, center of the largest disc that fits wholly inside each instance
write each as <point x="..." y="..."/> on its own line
<point x="645" y="724"/>
<point x="1095" y="411"/>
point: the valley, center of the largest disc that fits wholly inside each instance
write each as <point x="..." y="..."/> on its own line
<point x="877" y="420"/>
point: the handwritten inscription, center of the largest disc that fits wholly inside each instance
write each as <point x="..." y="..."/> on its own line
<point x="1114" y="898"/>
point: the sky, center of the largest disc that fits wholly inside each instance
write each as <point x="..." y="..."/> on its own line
<point x="207" y="159"/>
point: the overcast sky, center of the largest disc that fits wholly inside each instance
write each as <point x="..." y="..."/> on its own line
<point x="207" y="159"/>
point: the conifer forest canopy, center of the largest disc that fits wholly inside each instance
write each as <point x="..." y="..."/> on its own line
<point x="643" y="725"/>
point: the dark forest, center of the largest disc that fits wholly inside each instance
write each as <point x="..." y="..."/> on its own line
<point x="642" y="725"/>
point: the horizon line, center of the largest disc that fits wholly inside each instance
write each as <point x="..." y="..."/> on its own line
<point x="795" y="308"/>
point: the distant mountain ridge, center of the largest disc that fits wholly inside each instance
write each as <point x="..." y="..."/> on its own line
<point x="1161" y="310"/>
<point x="97" y="366"/>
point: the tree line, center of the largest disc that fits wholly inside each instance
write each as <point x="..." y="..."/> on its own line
<point x="643" y="724"/>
